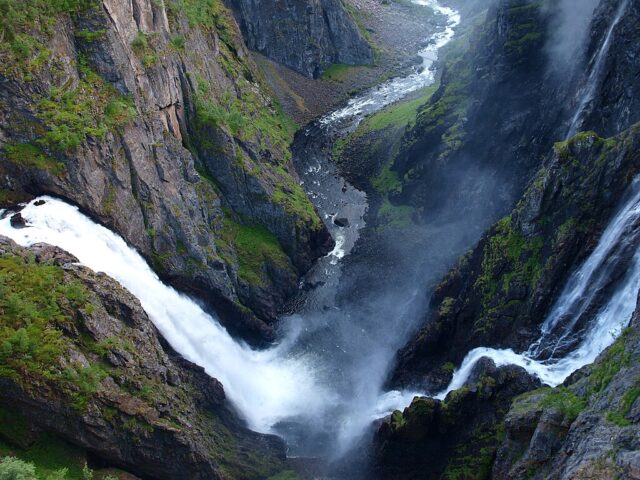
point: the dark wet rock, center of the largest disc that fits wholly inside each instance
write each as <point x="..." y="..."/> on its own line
<point x="341" y="222"/>
<point x="39" y="203"/>
<point x="585" y="429"/>
<point x="149" y="411"/>
<point x="497" y="300"/>
<point x="433" y="439"/>
<point x="17" y="221"/>
<point x="307" y="36"/>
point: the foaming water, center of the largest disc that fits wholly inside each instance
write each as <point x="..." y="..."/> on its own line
<point x="322" y="386"/>
<point x="266" y="386"/>
<point x="562" y="329"/>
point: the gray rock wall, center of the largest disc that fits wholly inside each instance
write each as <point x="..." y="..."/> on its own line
<point x="305" y="35"/>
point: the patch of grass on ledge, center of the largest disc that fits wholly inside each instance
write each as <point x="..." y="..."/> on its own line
<point x="254" y="247"/>
<point x="338" y="72"/>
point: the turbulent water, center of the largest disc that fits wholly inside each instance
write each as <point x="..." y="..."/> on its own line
<point x="581" y="323"/>
<point x="322" y="386"/>
<point x="263" y="385"/>
<point x="316" y="388"/>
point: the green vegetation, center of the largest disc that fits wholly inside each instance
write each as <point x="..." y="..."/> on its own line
<point x="619" y="417"/>
<point x="285" y="475"/>
<point x="525" y="32"/>
<point x="565" y="401"/>
<point x="522" y="256"/>
<point x="142" y="47"/>
<point x="395" y="216"/>
<point x="208" y="14"/>
<point x="255" y="246"/>
<point x="615" y="358"/>
<point x="91" y="109"/>
<point x="24" y="26"/>
<point x="37" y="301"/>
<point x="248" y="117"/>
<point x="399" y="115"/>
<point x="48" y="458"/>
<point x="31" y="155"/>
<point x="338" y="72"/>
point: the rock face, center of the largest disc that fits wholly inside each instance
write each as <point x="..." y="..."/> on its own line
<point x="503" y="101"/>
<point x="500" y="292"/>
<point x="586" y="429"/>
<point x="502" y="105"/>
<point x="84" y="363"/>
<point x="455" y="438"/>
<point x="305" y="35"/>
<point x="152" y="118"/>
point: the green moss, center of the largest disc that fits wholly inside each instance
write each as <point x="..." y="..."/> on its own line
<point x="24" y="28"/>
<point x="508" y="257"/>
<point x="395" y="216"/>
<point x="285" y="475"/>
<point x="565" y="401"/>
<point x="37" y="302"/>
<point x="337" y="72"/>
<point x="615" y="358"/>
<point x="254" y="246"/>
<point x="387" y="182"/>
<point x="91" y="109"/>
<point x="446" y="306"/>
<point x="31" y="155"/>
<point x="50" y="454"/>
<point x="619" y="417"/>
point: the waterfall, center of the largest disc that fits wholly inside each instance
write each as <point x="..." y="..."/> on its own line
<point x="597" y="65"/>
<point x="562" y="326"/>
<point x="265" y="386"/>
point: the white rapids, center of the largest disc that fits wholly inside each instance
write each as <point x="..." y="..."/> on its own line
<point x="266" y="386"/>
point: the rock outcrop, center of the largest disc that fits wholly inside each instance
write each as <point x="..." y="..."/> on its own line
<point x="586" y="429"/>
<point x="81" y="361"/>
<point x="307" y="36"/>
<point x="152" y="117"/>
<point x="500" y="292"/>
<point x="454" y="438"/>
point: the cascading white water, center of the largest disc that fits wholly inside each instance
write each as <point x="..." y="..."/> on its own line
<point x="266" y="386"/>
<point x="329" y="385"/>
<point x="597" y="64"/>
<point x="580" y="291"/>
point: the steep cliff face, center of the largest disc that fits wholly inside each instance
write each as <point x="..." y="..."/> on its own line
<point x="81" y="362"/>
<point x="500" y="292"/>
<point x="585" y="429"/>
<point x="307" y="36"/>
<point x="455" y="438"/>
<point x="152" y="118"/>
<point x="503" y="101"/>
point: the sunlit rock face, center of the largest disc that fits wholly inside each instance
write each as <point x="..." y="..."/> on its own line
<point x="305" y="35"/>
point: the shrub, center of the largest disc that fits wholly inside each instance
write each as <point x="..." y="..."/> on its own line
<point x="15" y="469"/>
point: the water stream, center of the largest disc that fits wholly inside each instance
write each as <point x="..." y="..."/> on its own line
<point x="597" y="63"/>
<point x="315" y="388"/>
<point x="604" y="290"/>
